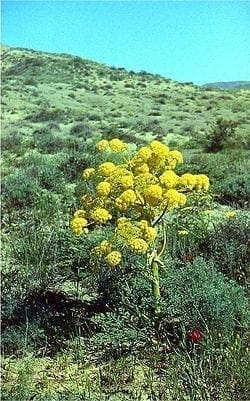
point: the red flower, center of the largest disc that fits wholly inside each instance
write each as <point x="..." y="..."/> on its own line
<point x="194" y="335"/>
<point x="188" y="257"/>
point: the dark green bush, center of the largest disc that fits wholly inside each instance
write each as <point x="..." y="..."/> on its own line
<point x="12" y="142"/>
<point x="233" y="189"/>
<point x="23" y="338"/>
<point x="47" y="114"/>
<point x="222" y="132"/>
<point x="19" y="190"/>
<point x="227" y="247"/>
<point x="49" y="142"/>
<point x="81" y="130"/>
<point x="200" y="296"/>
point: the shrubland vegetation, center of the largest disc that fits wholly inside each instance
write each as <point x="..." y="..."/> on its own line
<point x="77" y="322"/>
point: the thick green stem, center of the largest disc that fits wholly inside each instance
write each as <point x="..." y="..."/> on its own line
<point x="156" y="285"/>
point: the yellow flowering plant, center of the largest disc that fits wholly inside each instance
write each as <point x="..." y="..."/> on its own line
<point x="134" y="194"/>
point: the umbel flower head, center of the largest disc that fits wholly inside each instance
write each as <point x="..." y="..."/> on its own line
<point x="115" y="145"/>
<point x="131" y="192"/>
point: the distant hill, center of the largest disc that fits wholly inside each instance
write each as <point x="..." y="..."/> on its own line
<point x="40" y="88"/>
<point x="229" y="85"/>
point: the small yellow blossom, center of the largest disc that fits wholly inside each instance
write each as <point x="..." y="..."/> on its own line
<point x="176" y="155"/>
<point x="113" y="258"/>
<point x="122" y="220"/>
<point x="100" y="215"/>
<point x="86" y="200"/>
<point x="169" y="179"/>
<point x="126" y="230"/>
<point x="187" y="181"/>
<point x="182" y="199"/>
<point x="127" y="181"/>
<point x="116" y="145"/>
<point x="103" y="188"/>
<point x="78" y="225"/>
<point x="106" y="169"/>
<point x="105" y="247"/>
<point x="174" y="198"/>
<point x="79" y="213"/>
<point x="159" y="148"/>
<point x="88" y="173"/>
<point x="202" y="182"/>
<point x="126" y="199"/>
<point x="142" y="169"/>
<point x="183" y="232"/>
<point x="149" y="234"/>
<point x="153" y="195"/>
<point x="102" y="145"/>
<point x="143" y="224"/>
<point x="138" y="245"/>
<point x="144" y="153"/>
<point x="230" y="215"/>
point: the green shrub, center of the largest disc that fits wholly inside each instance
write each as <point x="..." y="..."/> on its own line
<point x="49" y="142"/>
<point x="12" y="142"/>
<point x="230" y="255"/>
<point x="200" y="296"/>
<point x="26" y="337"/>
<point x="221" y="134"/>
<point x="19" y="190"/>
<point x="47" y="114"/>
<point x="81" y="130"/>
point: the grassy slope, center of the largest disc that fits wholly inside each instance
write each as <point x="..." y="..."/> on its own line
<point x="234" y="85"/>
<point x="70" y="89"/>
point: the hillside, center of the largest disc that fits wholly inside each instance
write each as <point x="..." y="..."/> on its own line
<point x="234" y="85"/>
<point x="38" y="88"/>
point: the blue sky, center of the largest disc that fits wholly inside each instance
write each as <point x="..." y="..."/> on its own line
<point x="199" y="41"/>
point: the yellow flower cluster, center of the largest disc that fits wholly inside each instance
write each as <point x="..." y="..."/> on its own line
<point x="105" y="250"/>
<point x="138" y="245"/>
<point x="201" y="182"/>
<point x="103" y="188"/>
<point x="78" y="225"/>
<point x="134" y="191"/>
<point x="79" y="213"/>
<point x="88" y="173"/>
<point x="114" y="258"/>
<point x="106" y="169"/>
<point x="121" y="178"/>
<point x="144" y="153"/>
<point x="187" y="181"/>
<point x="137" y="237"/>
<point x="174" y="198"/>
<point x="148" y="233"/>
<point x="231" y="214"/>
<point x="100" y="215"/>
<point x="116" y="145"/>
<point x="153" y="195"/>
<point x="183" y="232"/>
<point x="125" y="200"/>
<point x="169" y="179"/>
<point x="159" y="149"/>
<point x="126" y="230"/>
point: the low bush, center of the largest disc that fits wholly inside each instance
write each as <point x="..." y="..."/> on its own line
<point x="81" y="130"/>
<point x="47" y="114"/>
<point x="200" y="296"/>
<point x="19" y="190"/>
<point x="230" y="256"/>
<point x="221" y="135"/>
